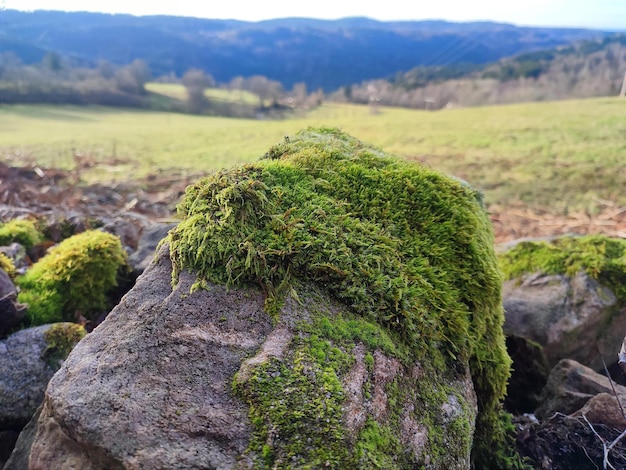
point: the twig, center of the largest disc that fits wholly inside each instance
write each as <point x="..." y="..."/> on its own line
<point x="606" y="370"/>
<point x="605" y="450"/>
<point x="617" y="439"/>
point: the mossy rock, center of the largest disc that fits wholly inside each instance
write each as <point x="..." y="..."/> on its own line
<point x="601" y="257"/>
<point x="22" y="231"/>
<point x="568" y="295"/>
<point x="73" y="278"/>
<point x="404" y="247"/>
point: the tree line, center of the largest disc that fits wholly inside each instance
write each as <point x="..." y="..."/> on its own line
<point x="583" y="70"/>
<point x="58" y="80"/>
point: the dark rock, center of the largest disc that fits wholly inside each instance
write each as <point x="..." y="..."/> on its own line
<point x="528" y="376"/>
<point x="570" y="386"/>
<point x="24" y="375"/>
<point x="7" y="443"/>
<point x="18" y="458"/>
<point x="11" y="314"/>
<point x="570" y="317"/>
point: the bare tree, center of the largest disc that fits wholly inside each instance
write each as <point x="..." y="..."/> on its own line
<point x="195" y="82"/>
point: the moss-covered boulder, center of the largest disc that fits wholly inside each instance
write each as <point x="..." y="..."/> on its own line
<point x="405" y="247"/>
<point x="327" y="307"/>
<point x="72" y="280"/>
<point x="568" y="295"/>
<point x="22" y="231"/>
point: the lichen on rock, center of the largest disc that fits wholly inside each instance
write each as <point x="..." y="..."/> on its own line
<point x="405" y="248"/>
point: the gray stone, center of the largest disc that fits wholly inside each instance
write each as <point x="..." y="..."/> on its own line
<point x="570" y="386"/>
<point x="24" y="374"/>
<point x="11" y="312"/>
<point x="6" y="285"/>
<point x="152" y="386"/>
<point x="570" y="317"/>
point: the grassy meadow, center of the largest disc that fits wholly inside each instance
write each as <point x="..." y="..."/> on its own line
<point x="556" y="157"/>
<point x="178" y="92"/>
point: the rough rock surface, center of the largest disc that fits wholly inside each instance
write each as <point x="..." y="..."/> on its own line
<point x="25" y="369"/>
<point x="570" y="386"/>
<point x="151" y="387"/>
<point x="566" y="315"/>
<point x="24" y="374"/>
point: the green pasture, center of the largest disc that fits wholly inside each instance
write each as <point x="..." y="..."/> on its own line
<point x="177" y="91"/>
<point x="558" y="156"/>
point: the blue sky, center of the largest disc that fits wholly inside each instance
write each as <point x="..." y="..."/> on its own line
<point x="600" y="14"/>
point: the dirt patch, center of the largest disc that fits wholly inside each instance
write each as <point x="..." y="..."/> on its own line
<point x="563" y="443"/>
<point x="518" y="222"/>
<point x="45" y="191"/>
<point x="37" y="191"/>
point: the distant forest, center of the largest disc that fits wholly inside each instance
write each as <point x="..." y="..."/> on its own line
<point x="89" y="58"/>
<point x="579" y="70"/>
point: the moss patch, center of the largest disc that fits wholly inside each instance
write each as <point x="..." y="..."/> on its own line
<point x="406" y="248"/>
<point x="7" y="265"/>
<point x="601" y="257"/>
<point x="61" y="339"/>
<point x="24" y="232"/>
<point x="296" y="408"/>
<point x="73" y="278"/>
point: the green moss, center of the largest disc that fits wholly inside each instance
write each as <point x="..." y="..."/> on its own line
<point x="20" y="231"/>
<point x="404" y="247"/>
<point x="61" y="339"/>
<point x="378" y="447"/>
<point x="73" y="278"/>
<point x="295" y="406"/>
<point x="7" y="265"/>
<point x="601" y="257"/>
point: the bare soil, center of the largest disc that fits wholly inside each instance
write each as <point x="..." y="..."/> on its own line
<point x="36" y="191"/>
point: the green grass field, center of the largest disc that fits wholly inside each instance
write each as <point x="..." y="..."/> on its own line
<point x="177" y="91"/>
<point x="558" y="156"/>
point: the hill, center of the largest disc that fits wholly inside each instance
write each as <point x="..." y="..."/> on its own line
<point x="322" y="54"/>
<point x="582" y="69"/>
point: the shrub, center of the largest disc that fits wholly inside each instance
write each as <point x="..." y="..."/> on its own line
<point x="23" y="232"/>
<point x="73" y="278"/>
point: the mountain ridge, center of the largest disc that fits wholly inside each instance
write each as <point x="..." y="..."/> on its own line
<point x="325" y="54"/>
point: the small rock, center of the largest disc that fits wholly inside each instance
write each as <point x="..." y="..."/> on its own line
<point x="570" y="386"/>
